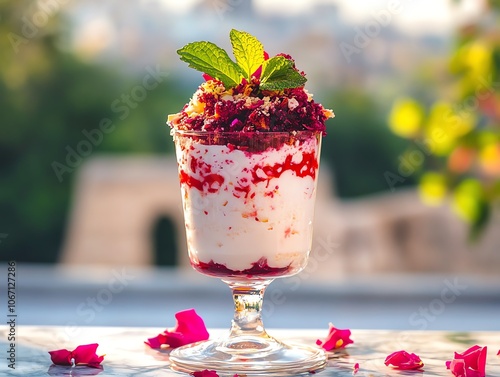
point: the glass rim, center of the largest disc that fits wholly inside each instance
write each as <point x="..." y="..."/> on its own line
<point x="174" y="131"/>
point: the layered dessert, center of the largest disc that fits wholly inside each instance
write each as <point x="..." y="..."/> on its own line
<point x="247" y="147"/>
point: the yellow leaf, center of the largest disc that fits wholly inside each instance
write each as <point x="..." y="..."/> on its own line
<point x="475" y="60"/>
<point x="468" y="200"/>
<point x="478" y="58"/>
<point x="446" y="123"/>
<point x="406" y="117"/>
<point x="432" y="188"/>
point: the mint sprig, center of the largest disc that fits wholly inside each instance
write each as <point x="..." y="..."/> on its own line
<point x="278" y="73"/>
<point x="248" y="51"/>
<point x="213" y="60"/>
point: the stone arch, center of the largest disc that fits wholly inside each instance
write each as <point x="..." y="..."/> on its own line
<point x="164" y="241"/>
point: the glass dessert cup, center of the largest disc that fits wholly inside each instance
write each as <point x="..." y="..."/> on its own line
<point x="248" y="201"/>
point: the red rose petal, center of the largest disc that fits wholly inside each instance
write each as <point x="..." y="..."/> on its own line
<point x="335" y="339"/>
<point x="61" y="357"/>
<point x="176" y="339"/>
<point x="355" y="369"/>
<point x="481" y="361"/>
<point x="404" y="360"/>
<point x="86" y="355"/>
<point x="457" y="368"/>
<point x="82" y="355"/>
<point x="498" y="353"/>
<point x="190" y="328"/>
<point x="191" y="325"/>
<point x="205" y="373"/>
<point x="470" y="356"/>
<point x="156" y="341"/>
<point x="473" y="361"/>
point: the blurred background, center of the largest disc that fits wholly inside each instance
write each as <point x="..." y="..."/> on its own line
<point x="410" y="166"/>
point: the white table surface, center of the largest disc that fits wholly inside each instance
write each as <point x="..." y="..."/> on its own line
<point x="126" y="354"/>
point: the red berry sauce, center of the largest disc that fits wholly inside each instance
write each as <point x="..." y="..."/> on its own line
<point x="258" y="269"/>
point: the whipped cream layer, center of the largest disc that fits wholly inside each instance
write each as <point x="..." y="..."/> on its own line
<point x="248" y="212"/>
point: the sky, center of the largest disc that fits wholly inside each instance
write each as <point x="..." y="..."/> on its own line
<point x="412" y="15"/>
<point x="103" y="29"/>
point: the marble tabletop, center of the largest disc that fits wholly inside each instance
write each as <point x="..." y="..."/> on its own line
<point x="126" y="354"/>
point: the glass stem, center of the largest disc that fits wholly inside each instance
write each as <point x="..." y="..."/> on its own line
<point x="248" y="299"/>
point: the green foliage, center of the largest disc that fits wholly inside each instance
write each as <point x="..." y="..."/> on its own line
<point x="359" y="146"/>
<point x="462" y="130"/>
<point x="48" y="98"/>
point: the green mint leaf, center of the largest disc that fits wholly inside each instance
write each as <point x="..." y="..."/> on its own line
<point x="278" y="74"/>
<point x="212" y="60"/>
<point x="247" y="50"/>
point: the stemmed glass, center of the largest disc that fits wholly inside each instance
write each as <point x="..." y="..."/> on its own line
<point x="248" y="201"/>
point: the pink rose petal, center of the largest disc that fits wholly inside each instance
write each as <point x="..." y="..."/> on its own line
<point x="176" y="339"/>
<point x="404" y="361"/>
<point x="457" y="367"/>
<point x="474" y="362"/>
<point x="205" y="373"/>
<point x="61" y="357"/>
<point x="156" y="341"/>
<point x="335" y="339"/>
<point x="84" y="355"/>
<point x="190" y="328"/>
<point x="355" y="369"/>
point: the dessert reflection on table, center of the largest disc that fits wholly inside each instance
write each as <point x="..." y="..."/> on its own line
<point x="127" y="355"/>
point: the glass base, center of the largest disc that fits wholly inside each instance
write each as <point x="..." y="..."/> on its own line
<point x="250" y="355"/>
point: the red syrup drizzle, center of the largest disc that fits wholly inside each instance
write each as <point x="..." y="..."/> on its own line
<point x="208" y="181"/>
<point x="259" y="268"/>
<point x="212" y="182"/>
<point x="307" y="167"/>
